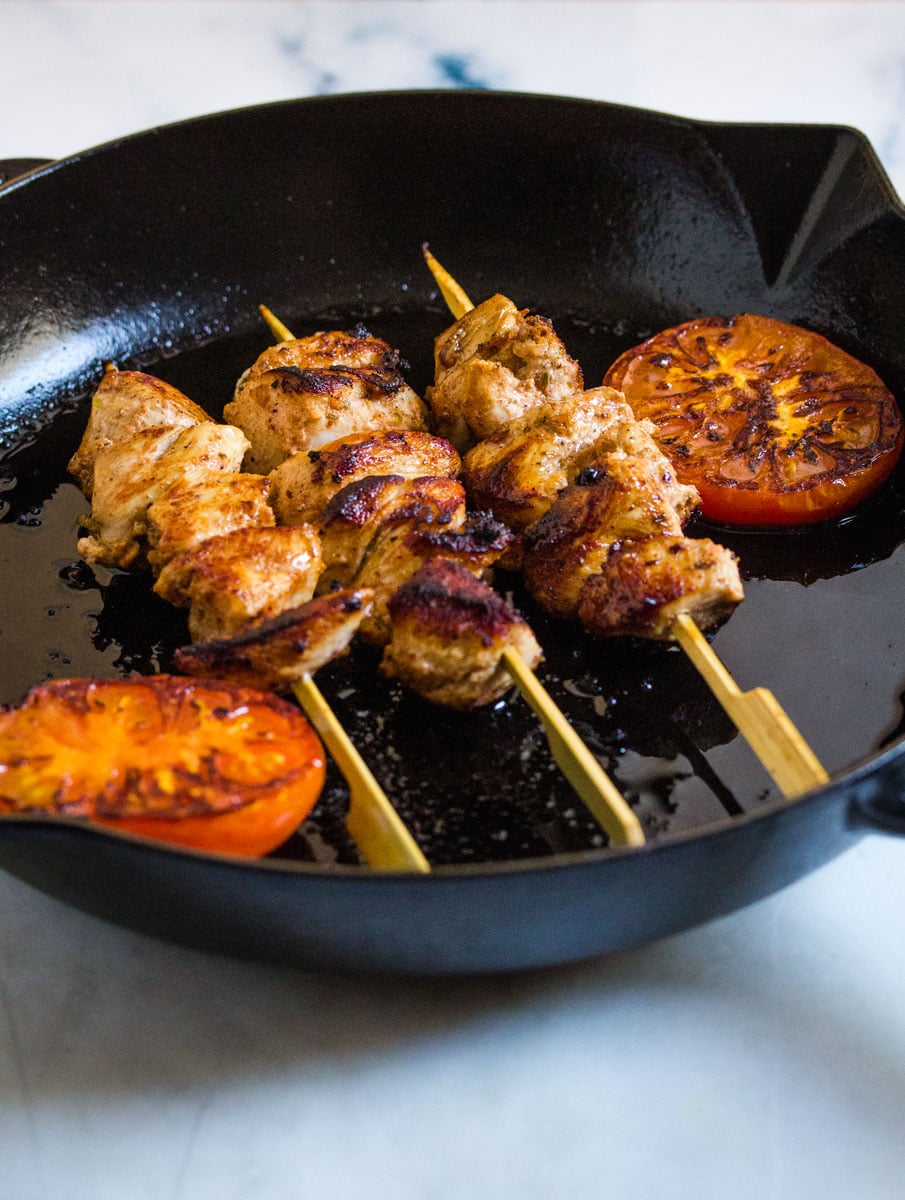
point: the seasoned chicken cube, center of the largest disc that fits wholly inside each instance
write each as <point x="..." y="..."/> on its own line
<point x="126" y="403"/>
<point x="644" y="585"/>
<point x="304" y="484"/>
<point x="372" y="507"/>
<point x="573" y="539"/>
<point x="449" y="631"/>
<point x="302" y="394"/>
<point x="492" y="367"/>
<point x="518" y="473"/>
<point x="230" y="582"/>
<point x="130" y="475"/>
<point x="400" y="549"/>
<point x="218" y="502"/>
<point x="274" y="654"/>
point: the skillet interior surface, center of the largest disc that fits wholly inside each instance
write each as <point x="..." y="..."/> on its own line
<point x="155" y="252"/>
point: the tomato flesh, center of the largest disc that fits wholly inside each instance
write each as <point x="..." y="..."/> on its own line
<point x="773" y="424"/>
<point x="200" y="764"/>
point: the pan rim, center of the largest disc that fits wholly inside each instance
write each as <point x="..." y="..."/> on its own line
<point x="840" y="786"/>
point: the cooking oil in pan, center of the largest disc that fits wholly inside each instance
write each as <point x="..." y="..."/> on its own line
<point x="820" y="627"/>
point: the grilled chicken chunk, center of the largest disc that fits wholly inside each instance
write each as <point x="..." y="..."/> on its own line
<point x="492" y="367"/>
<point x="126" y="403"/>
<point x="216" y="503"/>
<point x="572" y="541"/>
<point x="304" y="484"/>
<point x="398" y="552"/>
<point x="130" y="475"/>
<point x="518" y="473"/>
<point x="274" y="654"/>
<point x="377" y="532"/>
<point x="646" y="584"/>
<point x="449" y="632"/>
<point x="363" y="511"/>
<point x="230" y="582"/>
<point x="302" y="394"/>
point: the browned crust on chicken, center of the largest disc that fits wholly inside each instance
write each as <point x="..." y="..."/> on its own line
<point x="372" y="507"/>
<point x="130" y="475"/>
<point x="519" y="472"/>
<point x="494" y="365"/>
<point x="449" y="633"/>
<point x="274" y="654"/>
<point x="125" y="403"/>
<point x="190" y="512"/>
<point x="573" y="539"/>
<point x="249" y="575"/>
<point x="301" y="394"/>
<point x="646" y="584"/>
<point x="399" y="550"/>
<point x="306" y="482"/>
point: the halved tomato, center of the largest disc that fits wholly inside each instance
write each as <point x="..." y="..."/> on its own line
<point x="202" y="764"/>
<point x="773" y="424"/>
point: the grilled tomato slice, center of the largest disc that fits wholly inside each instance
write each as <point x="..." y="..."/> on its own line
<point x="773" y="424"/>
<point x="202" y="764"/>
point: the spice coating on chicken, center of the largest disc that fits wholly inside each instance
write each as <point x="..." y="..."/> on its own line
<point x="126" y="403"/>
<point x="219" y="502"/>
<point x="646" y="584"/>
<point x="365" y="510"/>
<point x="377" y="532"/>
<point x="274" y="654"/>
<point x="449" y="633"/>
<point x="572" y="541"/>
<point x="305" y="483"/>
<point x="230" y="582"/>
<point x="131" y="475"/>
<point x="400" y="549"/>
<point x="518" y="473"/>
<point x="301" y="394"/>
<point x="492" y="367"/>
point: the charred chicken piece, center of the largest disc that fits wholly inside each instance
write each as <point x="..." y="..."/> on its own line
<point x="449" y="632"/>
<point x="376" y="533"/>
<point x="372" y="507"/>
<point x="645" y="584"/>
<point x="493" y="366"/>
<point x="399" y="551"/>
<point x="305" y="483"/>
<point x="301" y="394"/>
<point x="217" y="503"/>
<point x="518" y="473"/>
<point x="126" y="403"/>
<point x="274" y="654"/>
<point x="240" y="578"/>
<point x="572" y="541"/>
<point x="130" y="475"/>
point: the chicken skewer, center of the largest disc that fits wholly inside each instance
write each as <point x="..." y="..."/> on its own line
<point x="581" y="769"/>
<point x="160" y="472"/>
<point x="756" y="713"/>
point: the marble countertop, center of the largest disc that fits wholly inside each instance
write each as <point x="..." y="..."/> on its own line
<point x="762" y="1056"/>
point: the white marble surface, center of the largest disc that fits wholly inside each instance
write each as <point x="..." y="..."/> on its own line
<point x="762" y="1057"/>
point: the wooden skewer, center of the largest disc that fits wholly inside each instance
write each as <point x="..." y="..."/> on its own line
<point x="374" y="825"/>
<point x="378" y="831"/>
<point x="757" y="714"/>
<point x="576" y="762"/>
<point x="606" y="803"/>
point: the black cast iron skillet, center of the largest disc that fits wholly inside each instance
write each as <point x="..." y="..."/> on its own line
<point x="155" y="251"/>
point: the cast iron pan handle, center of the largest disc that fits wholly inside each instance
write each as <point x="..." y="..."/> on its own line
<point x="12" y="168"/>
<point x="884" y="813"/>
<point x="882" y="807"/>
